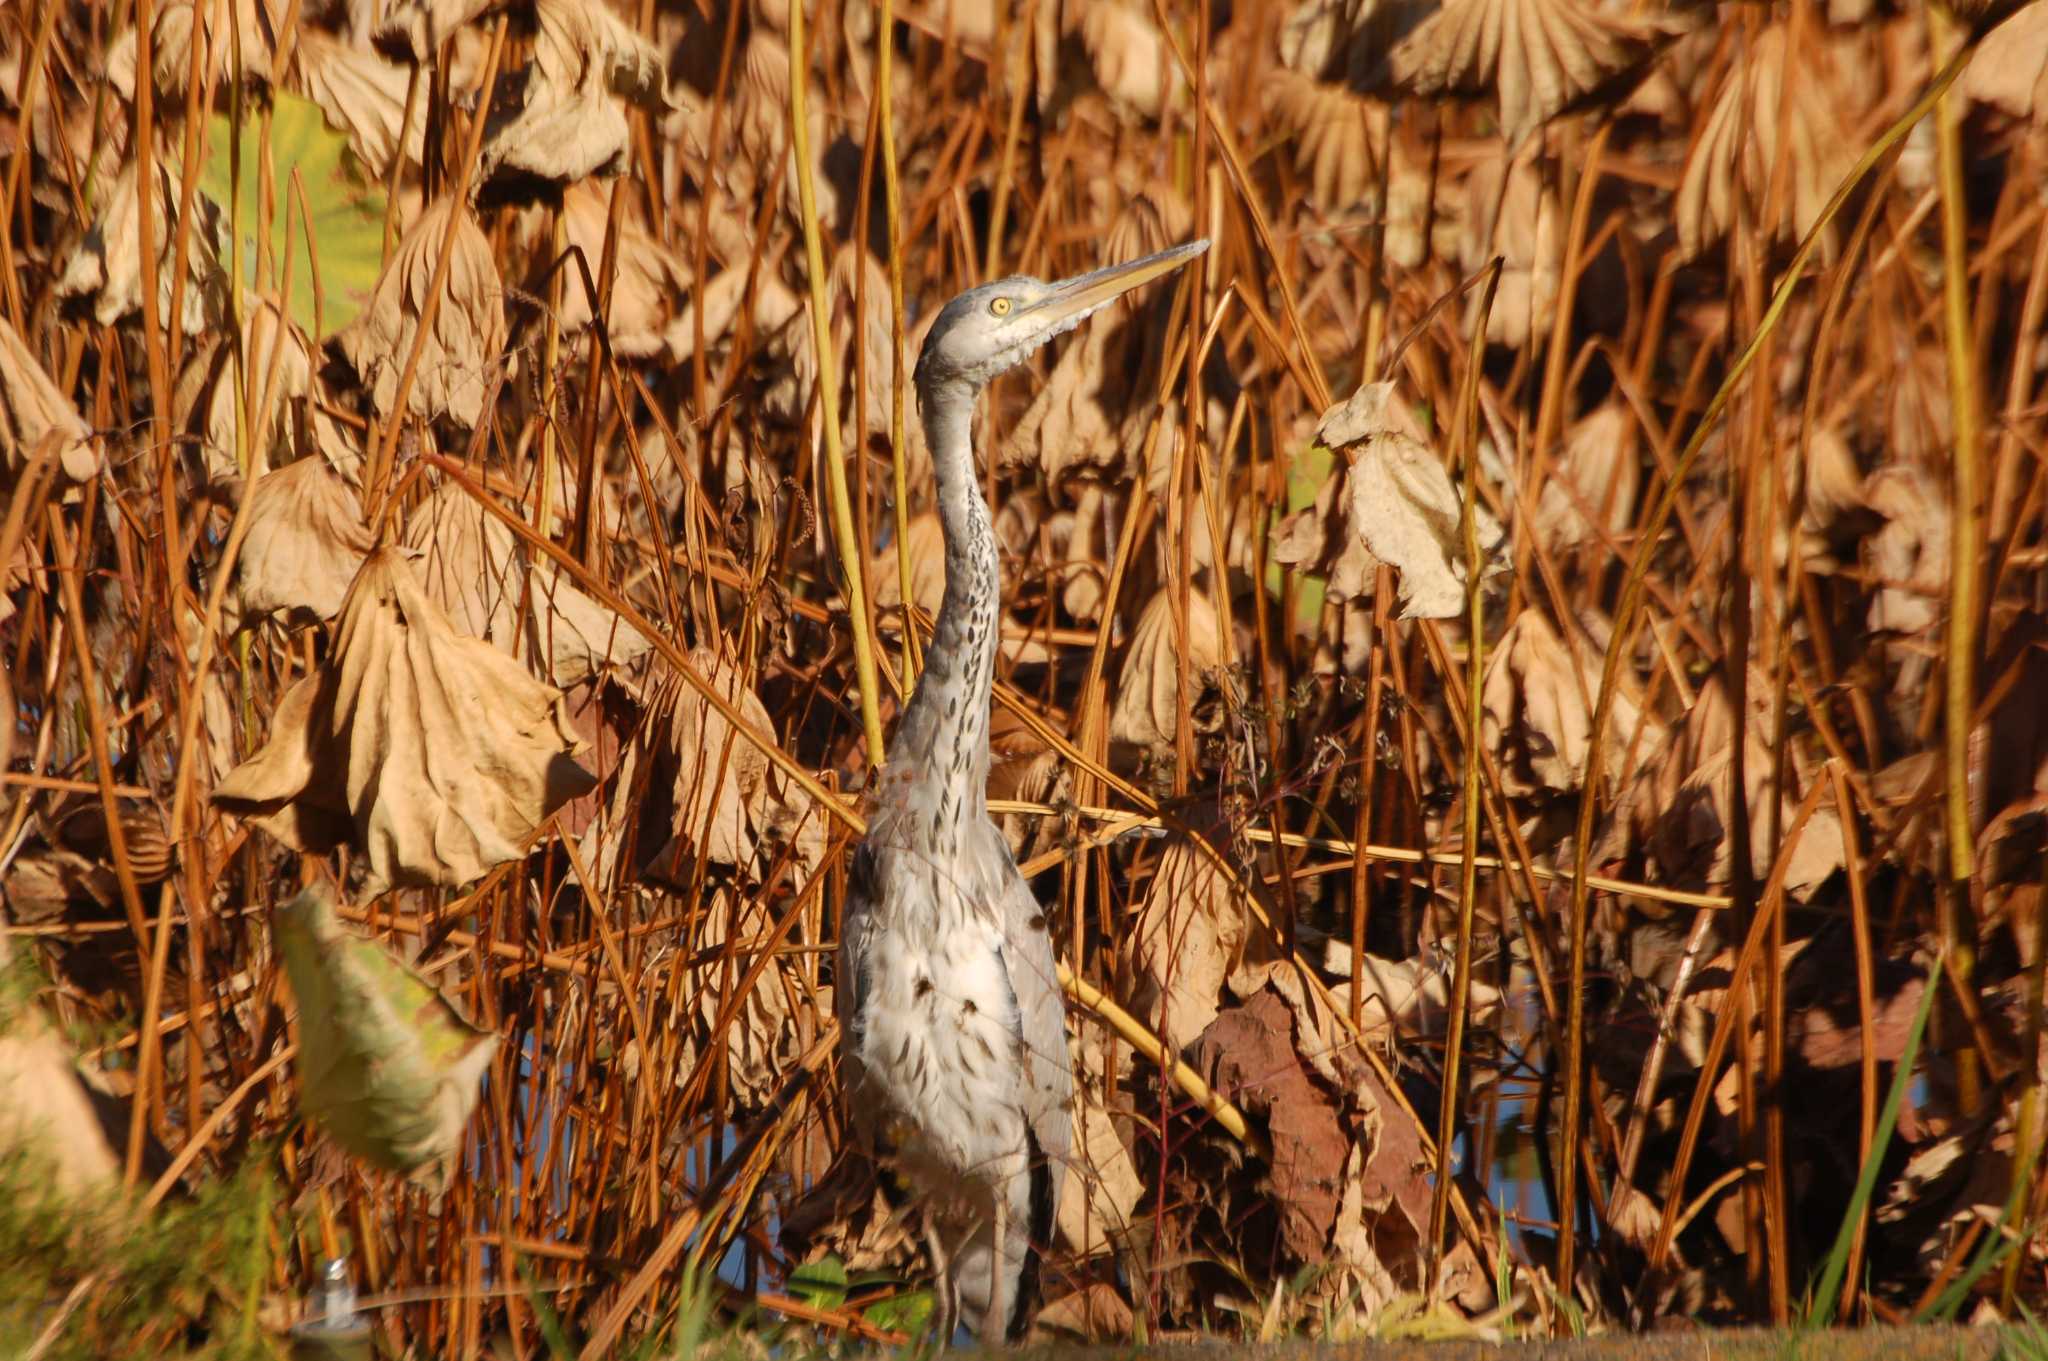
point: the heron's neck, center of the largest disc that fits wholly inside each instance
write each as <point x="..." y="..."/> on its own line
<point x="945" y="729"/>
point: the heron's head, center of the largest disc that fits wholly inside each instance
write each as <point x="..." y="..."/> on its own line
<point x="991" y="328"/>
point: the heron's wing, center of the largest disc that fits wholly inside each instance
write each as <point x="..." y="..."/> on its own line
<point x="1048" y="1089"/>
<point x="850" y="977"/>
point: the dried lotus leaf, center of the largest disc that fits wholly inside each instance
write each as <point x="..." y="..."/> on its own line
<point x="105" y="264"/>
<point x="1596" y="481"/>
<point x="413" y="31"/>
<point x="1331" y="147"/>
<point x="571" y="123"/>
<point x="1529" y="237"/>
<point x="387" y="1065"/>
<point x="35" y="419"/>
<point x="1736" y="152"/>
<point x="1130" y="58"/>
<point x="304" y="544"/>
<point x="433" y="755"/>
<point x="1402" y="506"/>
<point x="2008" y="71"/>
<point x="1148" y="700"/>
<point x="1541" y="57"/>
<point x="362" y="94"/>
<point x="468" y="333"/>
<point x="280" y="370"/>
<point x="1186" y="940"/>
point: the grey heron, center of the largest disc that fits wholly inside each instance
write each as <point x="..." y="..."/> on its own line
<point x="953" y="1036"/>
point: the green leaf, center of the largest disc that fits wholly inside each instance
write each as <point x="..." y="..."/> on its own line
<point x="347" y="209"/>
<point x="1305" y="477"/>
<point x="909" y="1312"/>
<point x="820" y="1284"/>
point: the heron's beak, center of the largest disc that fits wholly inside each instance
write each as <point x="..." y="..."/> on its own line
<point x="1071" y="299"/>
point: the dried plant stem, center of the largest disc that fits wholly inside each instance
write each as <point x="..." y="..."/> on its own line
<point x="1145" y="1042"/>
<point x="885" y="61"/>
<point x="1626" y="618"/>
<point x="1450" y="1107"/>
<point x="1958" y="935"/>
<point x="865" y="674"/>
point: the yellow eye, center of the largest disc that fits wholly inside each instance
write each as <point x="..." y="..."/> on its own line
<point x="999" y="306"/>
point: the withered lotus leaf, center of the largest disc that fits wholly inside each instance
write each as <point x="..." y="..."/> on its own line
<point x="386" y="1065"/>
<point x="433" y="755"/>
<point x="35" y="418"/>
<point x="469" y="326"/>
<point x="1187" y="938"/>
<point x="1149" y="702"/>
<point x="1540" y="56"/>
<point x="1403" y="507"/>
<point x="304" y="545"/>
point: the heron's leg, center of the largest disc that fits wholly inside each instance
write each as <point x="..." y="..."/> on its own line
<point x="995" y="1326"/>
<point x="945" y="1298"/>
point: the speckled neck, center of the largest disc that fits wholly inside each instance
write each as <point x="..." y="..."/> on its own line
<point x="945" y="728"/>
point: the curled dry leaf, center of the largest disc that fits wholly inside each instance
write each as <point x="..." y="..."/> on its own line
<point x="1329" y="125"/>
<point x="468" y="332"/>
<point x="1402" y="505"/>
<point x="571" y="122"/>
<point x="105" y="264"/>
<point x="414" y="30"/>
<point x="1102" y="1187"/>
<point x="1097" y="1312"/>
<point x="1132" y="63"/>
<point x="2008" y="71"/>
<point x="35" y="419"/>
<point x="387" y="1066"/>
<point x="1402" y="998"/>
<point x="651" y="313"/>
<point x="47" y="1112"/>
<point x="1538" y="715"/>
<point x="1737" y="150"/>
<point x="475" y="569"/>
<point x="1149" y="703"/>
<point x="1596" y="481"/>
<point x="1541" y="57"/>
<point x="730" y="804"/>
<point x="927" y="544"/>
<point x="280" y="369"/>
<point x="1908" y="557"/>
<point x="364" y="95"/>
<point x="305" y="543"/>
<point x="1187" y="938"/>
<point x="433" y="755"/>
<point x="1528" y="236"/>
<point x="174" y="25"/>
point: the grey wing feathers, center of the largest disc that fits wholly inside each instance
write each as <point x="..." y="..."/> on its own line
<point x="1041" y="1015"/>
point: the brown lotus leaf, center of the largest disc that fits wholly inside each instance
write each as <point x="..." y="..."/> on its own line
<point x="47" y="1112"/>
<point x="1538" y="713"/>
<point x="926" y="543"/>
<point x="413" y="30"/>
<point x="1831" y="491"/>
<point x="761" y="1038"/>
<point x="1189" y="932"/>
<point x="1131" y="60"/>
<point x="2008" y="71"/>
<point x="1528" y="236"/>
<point x="1736" y="151"/>
<point x="1594" y="482"/>
<point x="1401" y="999"/>
<point x="280" y="370"/>
<point x="1149" y="702"/>
<point x="1329" y="125"/>
<point x="713" y="789"/>
<point x="1086" y="529"/>
<point x="305" y="543"/>
<point x="1402" y="506"/>
<point x="1102" y="1188"/>
<point x="105" y="264"/>
<point x="475" y="569"/>
<point x="1681" y="802"/>
<point x="364" y="95"/>
<point x="35" y="419"/>
<point x="1253" y="1055"/>
<point x="651" y="312"/>
<point x="1024" y="768"/>
<point x="468" y="333"/>
<point x="1541" y="57"/>
<point x="1097" y="1312"/>
<point x="433" y="755"/>
<point x="1907" y="559"/>
<point x="173" y="25"/>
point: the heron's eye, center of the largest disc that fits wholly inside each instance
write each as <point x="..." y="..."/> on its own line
<point x="999" y="306"/>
